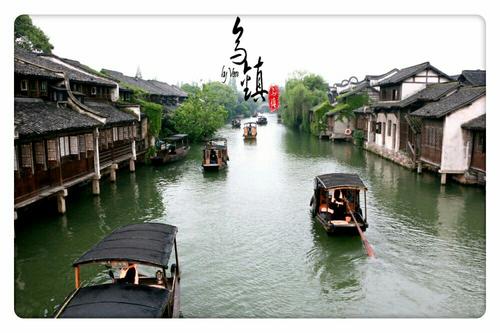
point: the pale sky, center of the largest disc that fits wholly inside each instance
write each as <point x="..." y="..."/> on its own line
<point x="178" y="49"/>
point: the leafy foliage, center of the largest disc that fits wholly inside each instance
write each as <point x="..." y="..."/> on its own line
<point x="302" y="92"/>
<point x="359" y="137"/>
<point x="154" y="113"/>
<point x="319" y="123"/>
<point x="200" y="116"/>
<point x="29" y="36"/>
<point x="344" y="109"/>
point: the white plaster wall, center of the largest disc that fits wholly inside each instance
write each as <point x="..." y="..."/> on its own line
<point x="378" y="137"/>
<point x="388" y="139"/>
<point x="455" y="152"/>
<point x="408" y="89"/>
<point x="340" y="127"/>
<point x="136" y="109"/>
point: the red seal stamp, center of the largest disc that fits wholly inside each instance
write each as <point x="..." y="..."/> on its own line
<point x="274" y="98"/>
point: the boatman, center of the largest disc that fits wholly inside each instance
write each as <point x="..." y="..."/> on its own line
<point x="130" y="274"/>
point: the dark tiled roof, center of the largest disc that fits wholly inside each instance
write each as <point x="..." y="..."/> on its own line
<point x="478" y="123"/>
<point x="152" y="87"/>
<point x="376" y="77"/>
<point x="170" y="90"/>
<point x="463" y="97"/>
<point x="407" y="72"/>
<point x="34" y="117"/>
<point x="73" y="74"/>
<point x="473" y="77"/>
<point x="356" y="89"/>
<point x="23" y="68"/>
<point x="432" y="92"/>
<point x="112" y="114"/>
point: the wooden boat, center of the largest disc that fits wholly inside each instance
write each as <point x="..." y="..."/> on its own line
<point x="261" y="120"/>
<point x="236" y="123"/>
<point x="249" y="130"/>
<point x="215" y="155"/>
<point x="171" y="149"/>
<point x="145" y="288"/>
<point x="336" y="200"/>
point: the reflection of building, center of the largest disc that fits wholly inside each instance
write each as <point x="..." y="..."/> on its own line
<point x="68" y="128"/>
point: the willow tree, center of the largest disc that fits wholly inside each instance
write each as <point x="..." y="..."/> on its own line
<point x="302" y="92"/>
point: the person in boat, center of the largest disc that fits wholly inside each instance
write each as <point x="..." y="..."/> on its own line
<point x="129" y="274"/>
<point x="338" y="206"/>
<point x="213" y="157"/>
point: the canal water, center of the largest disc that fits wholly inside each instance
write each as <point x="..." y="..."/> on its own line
<point x="249" y="248"/>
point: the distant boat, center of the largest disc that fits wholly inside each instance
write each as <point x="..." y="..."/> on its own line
<point x="261" y="120"/>
<point x="336" y="200"/>
<point x="215" y="155"/>
<point x="250" y="130"/>
<point x="236" y="123"/>
<point x="255" y="114"/>
<point x="134" y="252"/>
<point x="171" y="149"/>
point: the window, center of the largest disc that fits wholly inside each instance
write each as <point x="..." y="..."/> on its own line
<point x="43" y="86"/>
<point x="109" y="136"/>
<point x="125" y="133"/>
<point x="51" y="150"/>
<point x="395" y="94"/>
<point x="93" y="91"/>
<point x="378" y="128"/>
<point x="26" y="156"/>
<point x="16" y="163"/>
<point x="73" y="145"/>
<point x="134" y="131"/>
<point x="89" y="141"/>
<point x="81" y="144"/>
<point x="115" y="134"/>
<point x="24" y="85"/>
<point x="64" y="146"/>
<point x="389" y="129"/>
<point x="39" y="153"/>
<point x="120" y="133"/>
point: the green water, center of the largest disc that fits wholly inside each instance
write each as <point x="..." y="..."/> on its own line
<point x="248" y="247"/>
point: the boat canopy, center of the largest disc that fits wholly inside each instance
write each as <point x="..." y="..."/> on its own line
<point x="147" y="243"/>
<point x="176" y="137"/>
<point x="117" y="301"/>
<point x="336" y="180"/>
<point x="250" y="123"/>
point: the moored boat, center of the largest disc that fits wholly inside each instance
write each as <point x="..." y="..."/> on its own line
<point x="141" y="285"/>
<point x="336" y="202"/>
<point x="215" y="155"/>
<point x="171" y="149"/>
<point x="249" y="130"/>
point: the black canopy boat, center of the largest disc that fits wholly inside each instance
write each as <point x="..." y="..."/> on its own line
<point x="171" y="149"/>
<point x="215" y="155"/>
<point x="261" y="120"/>
<point x="250" y="130"/>
<point x="132" y="250"/>
<point x="236" y="123"/>
<point x="336" y="201"/>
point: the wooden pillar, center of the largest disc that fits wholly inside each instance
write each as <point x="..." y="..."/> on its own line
<point x="419" y="167"/>
<point x="97" y="164"/>
<point x="61" y="202"/>
<point x="132" y="165"/>
<point x="443" y="179"/>
<point x="96" y="189"/>
<point x="112" y="175"/>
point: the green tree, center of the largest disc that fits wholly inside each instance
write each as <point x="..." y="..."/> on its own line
<point x="191" y="89"/>
<point x="29" y="36"/>
<point x="302" y="92"/>
<point x="221" y="94"/>
<point x="200" y="116"/>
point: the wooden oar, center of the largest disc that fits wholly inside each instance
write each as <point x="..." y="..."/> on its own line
<point x="366" y="244"/>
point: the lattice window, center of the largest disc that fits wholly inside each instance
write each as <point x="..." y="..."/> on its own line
<point x="51" y="150"/>
<point x="16" y="163"/>
<point x="39" y="153"/>
<point x="26" y="156"/>
<point x="81" y="144"/>
<point x="109" y="136"/>
<point x="89" y="141"/>
<point x="125" y="133"/>
<point x="73" y="145"/>
<point x="120" y="133"/>
<point x="115" y="134"/>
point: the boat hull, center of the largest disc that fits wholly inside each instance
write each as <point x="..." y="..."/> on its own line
<point x="164" y="158"/>
<point x="339" y="227"/>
